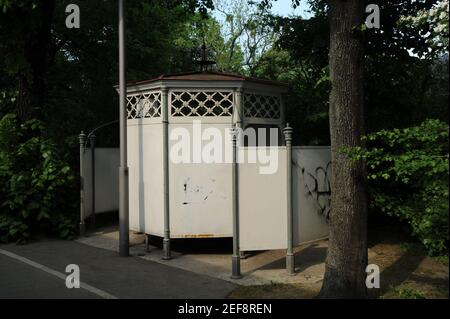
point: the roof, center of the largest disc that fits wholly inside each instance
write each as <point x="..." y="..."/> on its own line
<point x="205" y="76"/>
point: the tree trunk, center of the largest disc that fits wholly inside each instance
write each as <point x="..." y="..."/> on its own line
<point x="32" y="84"/>
<point x="347" y="249"/>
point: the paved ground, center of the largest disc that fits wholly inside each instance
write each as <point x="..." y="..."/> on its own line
<point x="37" y="270"/>
<point x="212" y="257"/>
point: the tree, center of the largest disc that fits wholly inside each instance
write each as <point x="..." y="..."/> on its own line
<point x="347" y="247"/>
<point x="247" y="31"/>
<point x="399" y="88"/>
<point x="437" y="18"/>
<point x="26" y="26"/>
<point x="227" y="54"/>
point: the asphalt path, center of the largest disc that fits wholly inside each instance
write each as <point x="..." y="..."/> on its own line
<point x="38" y="270"/>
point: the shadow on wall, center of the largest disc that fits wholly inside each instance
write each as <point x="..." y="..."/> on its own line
<point x="196" y="245"/>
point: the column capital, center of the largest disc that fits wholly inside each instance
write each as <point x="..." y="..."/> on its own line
<point x="287" y="131"/>
<point x="164" y="89"/>
<point x="82" y="137"/>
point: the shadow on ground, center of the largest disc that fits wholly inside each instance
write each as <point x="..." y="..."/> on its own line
<point x="307" y="257"/>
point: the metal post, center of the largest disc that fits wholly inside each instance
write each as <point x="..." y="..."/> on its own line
<point x="92" y="145"/>
<point x="82" y="139"/>
<point x="290" y="259"/>
<point x="124" y="240"/>
<point x="166" y="240"/>
<point x="235" y="258"/>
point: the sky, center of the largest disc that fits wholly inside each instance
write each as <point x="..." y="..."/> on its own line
<point x="284" y="8"/>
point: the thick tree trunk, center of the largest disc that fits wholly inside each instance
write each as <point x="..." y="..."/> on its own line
<point x="347" y="251"/>
<point x="32" y="82"/>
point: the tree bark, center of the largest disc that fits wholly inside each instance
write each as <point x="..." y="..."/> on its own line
<point x="347" y="249"/>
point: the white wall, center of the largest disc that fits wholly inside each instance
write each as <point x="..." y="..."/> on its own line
<point x="311" y="171"/>
<point x="200" y="194"/>
<point x="106" y="180"/>
<point x="263" y="210"/>
<point x="145" y="162"/>
<point x="262" y="204"/>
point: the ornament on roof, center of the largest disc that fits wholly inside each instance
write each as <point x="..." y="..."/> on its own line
<point x="204" y="60"/>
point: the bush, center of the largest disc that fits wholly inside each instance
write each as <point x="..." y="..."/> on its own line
<point x="408" y="177"/>
<point x="36" y="183"/>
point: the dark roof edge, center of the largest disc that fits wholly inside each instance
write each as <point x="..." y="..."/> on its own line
<point x="237" y="77"/>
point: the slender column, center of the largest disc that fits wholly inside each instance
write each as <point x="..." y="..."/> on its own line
<point x="283" y="111"/>
<point x="290" y="259"/>
<point x="124" y="239"/>
<point x="165" y="115"/>
<point x="235" y="258"/>
<point x="82" y="139"/>
<point x="239" y="109"/>
<point x="92" y="145"/>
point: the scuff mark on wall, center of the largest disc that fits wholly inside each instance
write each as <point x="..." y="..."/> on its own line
<point x="197" y="193"/>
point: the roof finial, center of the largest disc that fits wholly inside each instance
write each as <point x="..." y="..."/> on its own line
<point x="204" y="62"/>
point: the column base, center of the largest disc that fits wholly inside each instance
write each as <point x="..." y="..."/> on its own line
<point x="235" y="267"/>
<point x="290" y="264"/>
<point x="166" y="249"/>
<point x="82" y="229"/>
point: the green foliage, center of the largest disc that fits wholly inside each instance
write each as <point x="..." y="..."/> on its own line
<point x="400" y="89"/>
<point x="408" y="176"/>
<point x="227" y="54"/>
<point x="409" y="293"/>
<point x="36" y="183"/>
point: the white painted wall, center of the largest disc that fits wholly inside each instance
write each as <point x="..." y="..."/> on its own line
<point x="263" y="215"/>
<point x="145" y="162"/>
<point x="262" y="205"/>
<point x="310" y="173"/>
<point x="200" y="194"/>
<point x="106" y="180"/>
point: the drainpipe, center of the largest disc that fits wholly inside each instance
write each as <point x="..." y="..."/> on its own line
<point x="290" y="259"/>
<point x="165" y="115"/>
<point x="82" y="139"/>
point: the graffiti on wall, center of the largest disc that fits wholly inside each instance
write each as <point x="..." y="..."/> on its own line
<point x="318" y="187"/>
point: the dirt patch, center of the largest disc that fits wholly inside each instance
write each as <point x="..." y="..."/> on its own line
<point x="276" y="291"/>
<point x="406" y="272"/>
